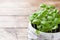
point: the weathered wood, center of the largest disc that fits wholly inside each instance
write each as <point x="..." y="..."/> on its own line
<point x="22" y="24"/>
<point x="21" y="32"/>
<point x="23" y="38"/>
<point x="22" y="18"/>
<point x="12" y="8"/>
<point x="13" y="21"/>
<point x="15" y="14"/>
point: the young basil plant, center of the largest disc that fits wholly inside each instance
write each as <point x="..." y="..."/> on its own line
<point x="46" y="19"/>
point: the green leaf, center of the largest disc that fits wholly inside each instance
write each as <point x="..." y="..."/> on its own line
<point x="37" y="32"/>
<point x="43" y="22"/>
<point x="58" y="15"/>
<point x="43" y="14"/>
<point x="55" y="27"/>
<point x="36" y="21"/>
<point x="39" y="27"/>
<point x="50" y="7"/>
<point x="55" y="11"/>
<point x="33" y="16"/>
<point x="43" y="5"/>
<point x="49" y="18"/>
<point x="57" y="21"/>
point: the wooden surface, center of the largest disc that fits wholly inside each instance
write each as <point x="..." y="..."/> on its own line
<point x="14" y="15"/>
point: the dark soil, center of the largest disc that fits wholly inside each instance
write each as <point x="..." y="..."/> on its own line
<point x="53" y="31"/>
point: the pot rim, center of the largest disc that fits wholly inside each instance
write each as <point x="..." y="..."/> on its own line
<point x="41" y="31"/>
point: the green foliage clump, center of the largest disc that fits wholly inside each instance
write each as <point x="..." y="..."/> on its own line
<point x="46" y="19"/>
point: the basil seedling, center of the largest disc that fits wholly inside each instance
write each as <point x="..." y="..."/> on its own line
<point x="46" y="19"/>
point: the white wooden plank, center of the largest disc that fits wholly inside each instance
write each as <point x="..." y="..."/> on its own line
<point x="22" y="21"/>
<point x="12" y="8"/>
<point x="7" y="21"/>
<point x="7" y="18"/>
<point x="13" y="21"/>
<point x="23" y="38"/>
<point x="22" y="18"/>
<point x="7" y="24"/>
<point x="21" y="32"/>
<point x="22" y="24"/>
<point x="5" y="35"/>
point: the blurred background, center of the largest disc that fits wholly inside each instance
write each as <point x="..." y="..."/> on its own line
<point x="14" y="15"/>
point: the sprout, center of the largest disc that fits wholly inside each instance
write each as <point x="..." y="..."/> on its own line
<point x="46" y="18"/>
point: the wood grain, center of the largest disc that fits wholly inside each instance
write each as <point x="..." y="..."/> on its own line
<point x="15" y="14"/>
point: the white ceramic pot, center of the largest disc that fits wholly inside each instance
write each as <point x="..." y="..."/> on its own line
<point x="43" y="35"/>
